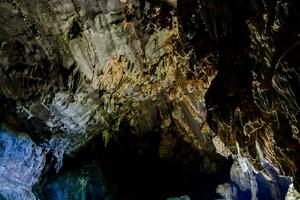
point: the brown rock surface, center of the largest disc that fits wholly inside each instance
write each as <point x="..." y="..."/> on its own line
<point x="221" y="75"/>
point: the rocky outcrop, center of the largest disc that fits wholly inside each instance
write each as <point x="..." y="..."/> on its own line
<point x="250" y="184"/>
<point x="221" y="76"/>
<point x="21" y="165"/>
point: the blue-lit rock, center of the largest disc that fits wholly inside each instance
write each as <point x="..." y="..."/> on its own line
<point x="21" y="164"/>
<point x="250" y="185"/>
<point x="81" y="184"/>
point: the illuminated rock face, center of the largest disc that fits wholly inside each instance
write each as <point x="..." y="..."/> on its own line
<point x="219" y="75"/>
<point x="21" y="164"/>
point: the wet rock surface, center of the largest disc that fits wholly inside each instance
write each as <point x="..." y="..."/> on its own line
<point x="190" y="85"/>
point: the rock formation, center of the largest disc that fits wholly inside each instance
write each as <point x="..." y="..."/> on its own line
<point x="217" y="80"/>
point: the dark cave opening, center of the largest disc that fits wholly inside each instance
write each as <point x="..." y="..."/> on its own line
<point x="145" y="176"/>
<point x="132" y="169"/>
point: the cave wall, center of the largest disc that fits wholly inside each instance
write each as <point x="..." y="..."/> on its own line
<point x="219" y="75"/>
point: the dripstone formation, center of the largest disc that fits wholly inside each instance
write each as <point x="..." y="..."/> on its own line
<point x="205" y="85"/>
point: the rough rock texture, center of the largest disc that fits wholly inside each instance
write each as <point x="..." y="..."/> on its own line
<point x="249" y="184"/>
<point x="96" y="68"/>
<point x="220" y="75"/>
<point x="21" y="164"/>
<point x="292" y="193"/>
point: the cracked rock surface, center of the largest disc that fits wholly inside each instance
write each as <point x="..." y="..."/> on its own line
<point x="208" y="82"/>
